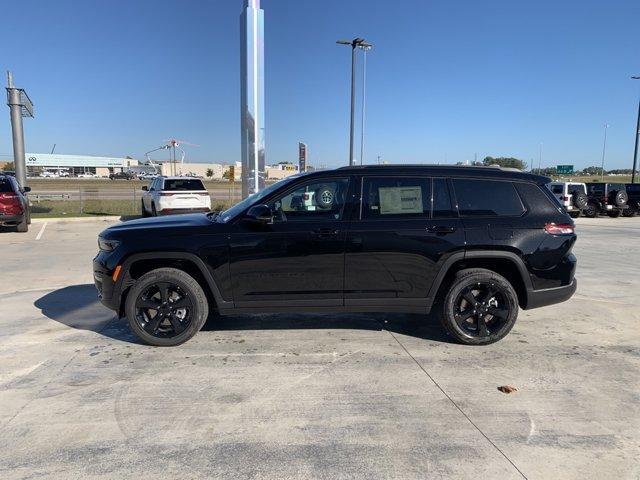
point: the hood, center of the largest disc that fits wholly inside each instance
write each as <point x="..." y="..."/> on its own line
<point x="170" y="221"/>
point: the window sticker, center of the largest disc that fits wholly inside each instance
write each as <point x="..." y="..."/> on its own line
<point x="398" y="200"/>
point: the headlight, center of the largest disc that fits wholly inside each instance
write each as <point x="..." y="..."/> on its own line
<point x="107" y="245"/>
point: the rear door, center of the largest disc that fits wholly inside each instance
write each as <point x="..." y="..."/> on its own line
<point x="405" y="230"/>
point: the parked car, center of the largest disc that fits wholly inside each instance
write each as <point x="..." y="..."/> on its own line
<point x="572" y="196"/>
<point x="633" y="192"/>
<point x="148" y="176"/>
<point x="48" y="174"/>
<point x="14" y="205"/>
<point x="88" y="175"/>
<point x="476" y="243"/>
<point x="167" y="195"/>
<point x="606" y="198"/>
<point x="122" y="176"/>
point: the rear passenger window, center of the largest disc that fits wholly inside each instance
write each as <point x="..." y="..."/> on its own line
<point x="557" y="189"/>
<point x="396" y="197"/>
<point x="480" y="198"/>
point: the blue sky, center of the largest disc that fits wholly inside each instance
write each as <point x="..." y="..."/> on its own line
<point x="446" y="79"/>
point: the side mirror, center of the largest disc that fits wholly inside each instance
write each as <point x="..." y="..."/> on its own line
<point x="26" y="189"/>
<point x="260" y="214"/>
<point x="145" y="188"/>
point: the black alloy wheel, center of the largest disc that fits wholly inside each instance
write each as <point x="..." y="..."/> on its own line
<point x="480" y="307"/>
<point x="164" y="310"/>
<point x="166" y="307"/>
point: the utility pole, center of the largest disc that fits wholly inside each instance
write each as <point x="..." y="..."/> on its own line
<point x="365" y="49"/>
<point x="635" y="151"/>
<point x="604" y="149"/>
<point x="355" y="43"/>
<point x="540" y="160"/>
<point x="19" y="106"/>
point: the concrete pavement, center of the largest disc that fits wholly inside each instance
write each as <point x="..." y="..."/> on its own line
<point x="316" y="396"/>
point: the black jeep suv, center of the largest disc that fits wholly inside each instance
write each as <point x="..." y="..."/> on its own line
<point x="606" y="198"/>
<point x="633" y="192"/>
<point x="478" y="242"/>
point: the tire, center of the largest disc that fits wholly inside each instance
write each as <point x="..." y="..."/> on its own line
<point x="574" y="214"/>
<point x="170" y="329"/>
<point x="614" y="213"/>
<point x="628" y="212"/>
<point x="620" y="198"/>
<point x="493" y="322"/>
<point x="23" y="226"/>
<point x="579" y="200"/>
<point x="154" y="212"/>
<point x="325" y="197"/>
<point x="143" y="209"/>
<point x="590" y="211"/>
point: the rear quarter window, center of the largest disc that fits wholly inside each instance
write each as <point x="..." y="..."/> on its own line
<point x="5" y="186"/>
<point x="183" y="185"/>
<point x="487" y="198"/>
<point x="536" y="199"/>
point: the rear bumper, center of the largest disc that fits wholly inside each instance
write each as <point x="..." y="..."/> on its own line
<point x="11" y="219"/>
<point x="171" y="211"/>
<point x="549" y="296"/>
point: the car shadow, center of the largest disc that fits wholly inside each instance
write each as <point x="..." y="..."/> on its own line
<point x="78" y="307"/>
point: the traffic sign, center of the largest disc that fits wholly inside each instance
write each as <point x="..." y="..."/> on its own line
<point x="564" y="169"/>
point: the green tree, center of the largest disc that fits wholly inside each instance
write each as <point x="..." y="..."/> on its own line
<point x="9" y="167"/>
<point x="507" y="162"/>
<point x="209" y="173"/>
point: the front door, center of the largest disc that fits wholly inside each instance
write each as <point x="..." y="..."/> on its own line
<point x="405" y="231"/>
<point x="298" y="258"/>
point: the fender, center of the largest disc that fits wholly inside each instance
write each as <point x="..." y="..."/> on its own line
<point x="125" y="278"/>
<point x="481" y="254"/>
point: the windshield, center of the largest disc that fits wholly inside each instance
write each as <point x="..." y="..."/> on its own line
<point x="230" y="213"/>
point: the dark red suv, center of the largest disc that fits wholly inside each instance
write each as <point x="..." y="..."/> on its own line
<point x="14" y="205"/>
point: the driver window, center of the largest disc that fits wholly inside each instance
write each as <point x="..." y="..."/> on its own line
<point x="318" y="200"/>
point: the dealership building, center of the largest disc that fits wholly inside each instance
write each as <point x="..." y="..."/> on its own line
<point x="77" y="164"/>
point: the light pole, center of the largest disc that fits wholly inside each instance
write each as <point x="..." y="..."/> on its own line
<point x="20" y="106"/>
<point x="365" y="49"/>
<point x="604" y="149"/>
<point x="635" y="151"/>
<point x="540" y="160"/>
<point x="356" y="42"/>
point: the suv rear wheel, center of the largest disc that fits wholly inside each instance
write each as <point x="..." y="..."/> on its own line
<point x="166" y="307"/>
<point x="480" y="307"/>
<point x="614" y="213"/>
<point x="590" y="211"/>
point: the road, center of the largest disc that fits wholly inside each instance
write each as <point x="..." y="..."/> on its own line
<point x="316" y="396"/>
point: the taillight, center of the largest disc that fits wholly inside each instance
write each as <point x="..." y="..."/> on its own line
<point x="10" y="204"/>
<point x="559" y="228"/>
<point x="305" y="197"/>
<point x="566" y="199"/>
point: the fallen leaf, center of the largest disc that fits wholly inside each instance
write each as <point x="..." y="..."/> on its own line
<point x="507" y="389"/>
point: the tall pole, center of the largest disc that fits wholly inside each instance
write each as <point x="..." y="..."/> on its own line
<point x="364" y="100"/>
<point x="355" y="43"/>
<point x="15" y="108"/>
<point x="604" y="149"/>
<point x="635" y="151"/>
<point x="353" y="102"/>
<point x="540" y="161"/>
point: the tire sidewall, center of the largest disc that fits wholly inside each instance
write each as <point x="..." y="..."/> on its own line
<point x="466" y="280"/>
<point x="187" y="283"/>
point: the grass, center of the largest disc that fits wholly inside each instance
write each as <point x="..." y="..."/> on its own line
<point x="92" y="208"/>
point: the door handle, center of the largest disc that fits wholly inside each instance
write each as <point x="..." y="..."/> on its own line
<point x="441" y="229"/>
<point x="326" y="232"/>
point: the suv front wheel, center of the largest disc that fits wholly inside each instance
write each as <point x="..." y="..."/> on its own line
<point x="480" y="307"/>
<point x="166" y="307"/>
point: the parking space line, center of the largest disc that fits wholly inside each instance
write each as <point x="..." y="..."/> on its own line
<point x="456" y="405"/>
<point x="39" y="236"/>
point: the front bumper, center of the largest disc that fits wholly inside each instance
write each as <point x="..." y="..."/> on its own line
<point x="549" y="296"/>
<point x="107" y="291"/>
